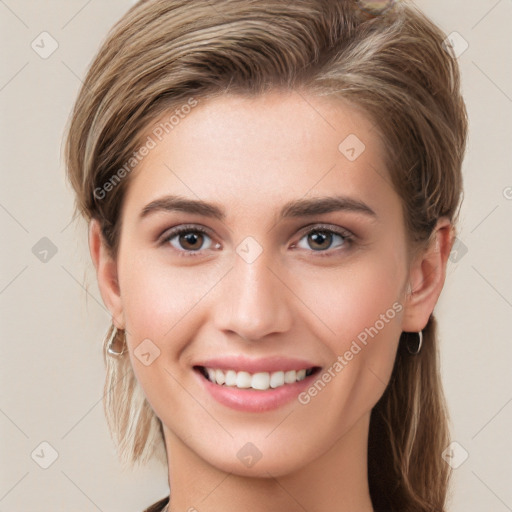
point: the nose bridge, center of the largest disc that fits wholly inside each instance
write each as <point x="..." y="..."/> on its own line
<point x="254" y="301"/>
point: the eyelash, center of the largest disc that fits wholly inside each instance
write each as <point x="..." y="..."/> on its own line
<point x="348" y="239"/>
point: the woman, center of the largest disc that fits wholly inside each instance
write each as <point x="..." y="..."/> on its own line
<point x="271" y="189"/>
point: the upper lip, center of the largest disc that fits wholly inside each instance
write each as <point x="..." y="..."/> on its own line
<point x="255" y="365"/>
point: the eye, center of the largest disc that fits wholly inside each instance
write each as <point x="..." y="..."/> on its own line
<point x="193" y="240"/>
<point x="321" y="238"/>
<point x="189" y="240"/>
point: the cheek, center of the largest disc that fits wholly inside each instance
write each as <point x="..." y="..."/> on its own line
<point x="350" y="300"/>
<point x="157" y="297"/>
<point x="157" y="302"/>
<point x="363" y="312"/>
<point x="361" y="306"/>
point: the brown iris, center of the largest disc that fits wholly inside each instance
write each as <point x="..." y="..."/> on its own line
<point x="319" y="238"/>
<point x="193" y="240"/>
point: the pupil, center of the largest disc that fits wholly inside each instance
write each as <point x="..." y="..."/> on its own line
<point x="192" y="239"/>
<point x="318" y="237"/>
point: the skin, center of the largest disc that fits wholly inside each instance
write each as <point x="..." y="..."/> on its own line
<point x="250" y="156"/>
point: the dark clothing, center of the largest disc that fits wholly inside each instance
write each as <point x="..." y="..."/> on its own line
<point x="158" y="506"/>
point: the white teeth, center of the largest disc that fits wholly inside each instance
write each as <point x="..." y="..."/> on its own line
<point x="243" y="380"/>
<point x="290" y="377"/>
<point x="276" y="379"/>
<point x="261" y="380"/>
<point x="230" y="378"/>
<point x="220" y="378"/>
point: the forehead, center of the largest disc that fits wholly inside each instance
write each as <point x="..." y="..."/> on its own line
<point x="262" y="151"/>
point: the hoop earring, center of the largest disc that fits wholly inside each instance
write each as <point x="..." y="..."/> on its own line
<point x="110" y="343"/>
<point x="414" y="347"/>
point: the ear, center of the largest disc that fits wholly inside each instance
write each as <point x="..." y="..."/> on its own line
<point x="106" y="273"/>
<point x="426" y="277"/>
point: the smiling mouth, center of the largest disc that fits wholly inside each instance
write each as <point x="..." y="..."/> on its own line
<point x="260" y="381"/>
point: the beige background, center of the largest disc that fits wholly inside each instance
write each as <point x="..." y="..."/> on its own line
<point x="52" y="328"/>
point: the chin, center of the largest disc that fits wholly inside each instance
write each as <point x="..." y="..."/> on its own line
<point x="259" y="459"/>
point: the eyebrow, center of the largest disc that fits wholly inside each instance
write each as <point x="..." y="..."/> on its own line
<point x="292" y="209"/>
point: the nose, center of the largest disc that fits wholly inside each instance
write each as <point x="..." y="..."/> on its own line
<point x="254" y="300"/>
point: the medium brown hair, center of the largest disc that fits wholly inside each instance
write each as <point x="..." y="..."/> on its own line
<point x="392" y="63"/>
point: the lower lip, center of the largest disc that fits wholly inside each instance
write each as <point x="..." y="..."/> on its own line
<point x="253" y="400"/>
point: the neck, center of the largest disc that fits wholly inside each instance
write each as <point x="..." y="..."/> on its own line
<point x="336" y="481"/>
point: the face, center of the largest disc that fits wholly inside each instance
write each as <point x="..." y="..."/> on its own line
<point x="262" y="247"/>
